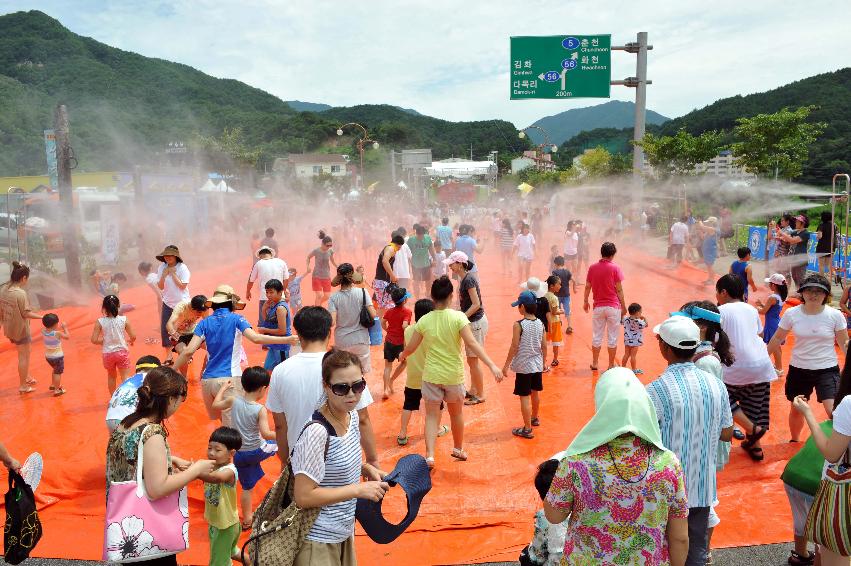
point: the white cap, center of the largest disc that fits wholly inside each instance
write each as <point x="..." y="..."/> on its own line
<point x="679" y="332"/>
<point x="776" y="278"/>
<point x="534" y="284"/>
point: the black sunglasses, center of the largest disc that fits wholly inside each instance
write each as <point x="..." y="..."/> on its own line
<point x="342" y="389"/>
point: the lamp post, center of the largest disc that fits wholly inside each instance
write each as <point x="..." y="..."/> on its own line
<point x="541" y="147"/>
<point x="360" y="143"/>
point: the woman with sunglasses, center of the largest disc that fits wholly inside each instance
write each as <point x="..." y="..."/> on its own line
<point x="331" y="480"/>
<point x="160" y="396"/>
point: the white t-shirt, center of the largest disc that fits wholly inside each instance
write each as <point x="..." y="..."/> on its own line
<point x="402" y="263"/>
<point x="571" y="245"/>
<point x="679" y="233"/>
<point x="269" y="268"/>
<point x="296" y="391"/>
<point x="525" y="244"/>
<point x="841" y="422"/>
<point x="815" y="336"/>
<point x="172" y="294"/>
<point x="152" y="279"/>
<point x="742" y="324"/>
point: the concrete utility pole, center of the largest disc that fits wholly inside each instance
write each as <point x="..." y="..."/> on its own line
<point x="640" y="100"/>
<point x="66" y="196"/>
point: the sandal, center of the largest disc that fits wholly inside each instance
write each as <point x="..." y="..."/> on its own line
<point x="638" y="372"/>
<point x="753" y="438"/>
<point x="246" y="524"/>
<point x="554" y="364"/>
<point x="31" y="381"/>
<point x="51" y="388"/>
<point x="755" y="452"/>
<point x="430" y="463"/>
<point x="569" y="330"/>
<point x="594" y="368"/>
<point x="25" y="390"/>
<point x="401" y="440"/>
<point x="473" y="400"/>
<point x="796" y="559"/>
<point x="459" y="454"/>
<point x="59" y="391"/>
<point x="444" y="430"/>
<point x="523" y="432"/>
<point x="536" y="421"/>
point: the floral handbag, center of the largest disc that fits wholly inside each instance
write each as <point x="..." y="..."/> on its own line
<point x="139" y="528"/>
<point x="829" y="520"/>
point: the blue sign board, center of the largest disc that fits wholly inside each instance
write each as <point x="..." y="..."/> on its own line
<point x="757" y="238"/>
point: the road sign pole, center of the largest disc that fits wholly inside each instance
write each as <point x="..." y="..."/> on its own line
<point x="640" y="102"/>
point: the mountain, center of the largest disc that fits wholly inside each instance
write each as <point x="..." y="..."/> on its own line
<point x="613" y="114"/>
<point x="300" y="106"/>
<point x="830" y="92"/>
<point x="125" y="108"/>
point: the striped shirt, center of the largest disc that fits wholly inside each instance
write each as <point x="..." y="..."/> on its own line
<point x="692" y="407"/>
<point x="336" y="522"/>
<point x="529" y="357"/>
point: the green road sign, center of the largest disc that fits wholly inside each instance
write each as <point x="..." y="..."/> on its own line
<point x="561" y="66"/>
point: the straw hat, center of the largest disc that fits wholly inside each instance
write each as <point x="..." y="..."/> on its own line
<point x="346" y="271"/>
<point x="170" y="250"/>
<point x="225" y="294"/>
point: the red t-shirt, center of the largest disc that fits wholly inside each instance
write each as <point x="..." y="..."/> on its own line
<point x="602" y="277"/>
<point x="395" y="317"/>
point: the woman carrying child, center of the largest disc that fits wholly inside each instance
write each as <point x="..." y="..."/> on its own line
<point x="110" y="331"/>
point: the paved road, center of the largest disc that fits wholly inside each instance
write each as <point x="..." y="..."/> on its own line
<point x="765" y="555"/>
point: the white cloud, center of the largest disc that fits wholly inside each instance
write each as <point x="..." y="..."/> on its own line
<point x="450" y="59"/>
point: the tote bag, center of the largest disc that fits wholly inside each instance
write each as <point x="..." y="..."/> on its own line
<point x="139" y="528"/>
<point x="829" y="519"/>
<point x="23" y="528"/>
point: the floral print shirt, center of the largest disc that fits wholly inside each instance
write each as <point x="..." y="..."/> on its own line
<point x="614" y="521"/>
<point x="122" y="449"/>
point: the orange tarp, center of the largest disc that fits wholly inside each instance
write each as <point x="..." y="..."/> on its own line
<point x="477" y="511"/>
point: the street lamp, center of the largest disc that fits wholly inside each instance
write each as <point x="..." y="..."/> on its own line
<point x="360" y="143"/>
<point x="543" y="146"/>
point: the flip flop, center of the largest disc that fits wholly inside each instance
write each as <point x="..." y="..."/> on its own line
<point x="523" y="432"/>
<point x="459" y="454"/>
<point x="569" y="330"/>
<point x="401" y="440"/>
<point x="444" y="430"/>
<point x="430" y="463"/>
<point x="554" y="364"/>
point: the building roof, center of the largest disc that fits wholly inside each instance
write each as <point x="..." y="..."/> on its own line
<point x="316" y="158"/>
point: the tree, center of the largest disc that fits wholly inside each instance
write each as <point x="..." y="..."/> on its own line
<point x="678" y="154"/>
<point x="776" y="144"/>
<point x="231" y="151"/>
<point x="595" y="162"/>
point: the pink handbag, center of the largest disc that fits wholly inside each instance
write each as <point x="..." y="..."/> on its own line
<point x="138" y="528"/>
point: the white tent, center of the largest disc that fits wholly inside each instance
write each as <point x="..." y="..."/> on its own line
<point x="222" y="187"/>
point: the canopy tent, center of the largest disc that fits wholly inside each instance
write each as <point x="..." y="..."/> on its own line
<point x="461" y="169"/>
<point x="221" y="187"/>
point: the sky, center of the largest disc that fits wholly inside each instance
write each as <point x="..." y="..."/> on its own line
<point x="450" y="59"/>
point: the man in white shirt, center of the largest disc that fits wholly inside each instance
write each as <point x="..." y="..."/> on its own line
<point x="677" y="239"/>
<point x="173" y="282"/>
<point x="266" y="268"/>
<point x="402" y="266"/>
<point x="295" y="391"/>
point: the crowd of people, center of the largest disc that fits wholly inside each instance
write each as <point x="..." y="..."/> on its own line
<point x="636" y="485"/>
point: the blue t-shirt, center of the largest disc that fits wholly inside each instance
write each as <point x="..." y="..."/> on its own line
<point x="222" y="332"/>
<point x="740" y="268"/>
<point x="467" y="245"/>
<point x="444" y="236"/>
<point x="271" y="321"/>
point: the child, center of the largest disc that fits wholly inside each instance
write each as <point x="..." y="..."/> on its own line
<point x="110" y="332"/>
<point x="53" y="349"/>
<point x="741" y="268"/>
<point x="771" y="309"/>
<point x="554" y="336"/>
<point x="123" y="402"/>
<point x="524" y="247"/>
<point x="394" y="322"/>
<point x="249" y="418"/>
<point x="220" y="496"/>
<point x="633" y="336"/>
<point x="564" y="292"/>
<point x="526" y="358"/>
<point x="439" y="268"/>
<point x="414" y="375"/>
<point x="107" y="283"/>
<point x="276" y="321"/>
<point x="294" y="287"/>
<point x="547" y="546"/>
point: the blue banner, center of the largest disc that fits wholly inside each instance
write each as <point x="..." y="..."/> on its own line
<point x="841" y="257"/>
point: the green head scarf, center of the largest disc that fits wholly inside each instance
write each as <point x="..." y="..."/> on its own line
<point x="622" y="406"/>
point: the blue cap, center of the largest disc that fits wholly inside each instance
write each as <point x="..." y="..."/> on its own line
<point x="525" y="298"/>
<point x="697" y="313"/>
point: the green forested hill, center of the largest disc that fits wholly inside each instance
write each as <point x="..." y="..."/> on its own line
<point x="830" y="92"/>
<point x="124" y="108"/>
